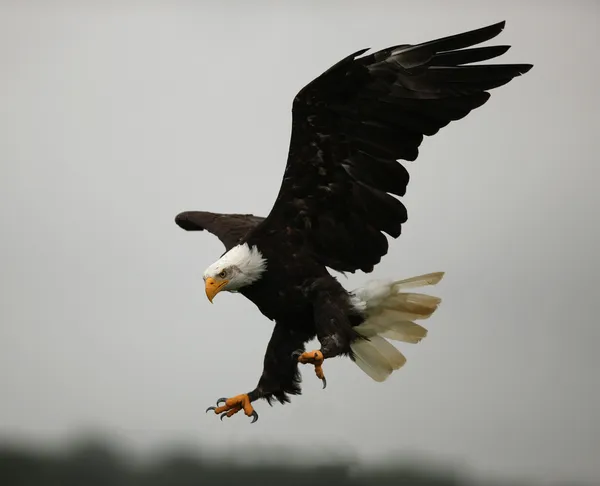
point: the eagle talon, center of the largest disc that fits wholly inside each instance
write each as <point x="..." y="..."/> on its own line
<point x="231" y="406"/>
<point x="315" y="358"/>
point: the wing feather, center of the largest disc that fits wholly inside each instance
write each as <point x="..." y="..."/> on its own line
<point x="229" y="228"/>
<point x="354" y="122"/>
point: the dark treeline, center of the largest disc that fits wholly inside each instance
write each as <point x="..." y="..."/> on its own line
<point x="99" y="465"/>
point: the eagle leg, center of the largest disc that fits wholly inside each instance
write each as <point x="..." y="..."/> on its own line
<point x="233" y="405"/>
<point x="315" y="358"/>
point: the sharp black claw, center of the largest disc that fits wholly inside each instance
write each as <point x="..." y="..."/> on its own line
<point x="223" y="415"/>
<point x="324" y="382"/>
<point x="296" y="354"/>
<point x="254" y="417"/>
<point x="210" y="408"/>
<point x="223" y="400"/>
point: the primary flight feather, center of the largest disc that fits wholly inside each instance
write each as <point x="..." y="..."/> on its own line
<point x="350" y="127"/>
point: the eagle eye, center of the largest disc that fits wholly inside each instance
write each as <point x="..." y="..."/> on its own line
<point x="222" y="274"/>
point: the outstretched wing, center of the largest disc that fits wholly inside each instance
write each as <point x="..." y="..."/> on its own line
<point x="229" y="228"/>
<point x="352" y="123"/>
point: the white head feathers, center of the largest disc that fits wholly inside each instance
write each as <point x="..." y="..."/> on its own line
<point x="241" y="266"/>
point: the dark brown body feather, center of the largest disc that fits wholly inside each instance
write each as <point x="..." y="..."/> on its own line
<point x="350" y="127"/>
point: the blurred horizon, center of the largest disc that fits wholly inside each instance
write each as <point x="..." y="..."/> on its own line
<point x="100" y="461"/>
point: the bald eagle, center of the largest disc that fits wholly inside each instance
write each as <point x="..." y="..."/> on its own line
<point x="350" y="126"/>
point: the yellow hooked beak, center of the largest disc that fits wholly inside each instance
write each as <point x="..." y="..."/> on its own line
<point x="213" y="287"/>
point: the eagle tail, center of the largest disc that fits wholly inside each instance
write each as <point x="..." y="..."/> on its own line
<point x="390" y="314"/>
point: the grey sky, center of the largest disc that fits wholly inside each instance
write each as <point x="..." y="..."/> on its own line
<point x="115" y="116"/>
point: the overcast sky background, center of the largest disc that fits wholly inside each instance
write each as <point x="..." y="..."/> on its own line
<point x="115" y="116"/>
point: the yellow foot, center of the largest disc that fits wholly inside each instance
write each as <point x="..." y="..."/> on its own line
<point x="234" y="405"/>
<point x="315" y="358"/>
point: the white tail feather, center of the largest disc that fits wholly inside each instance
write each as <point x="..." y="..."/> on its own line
<point x="377" y="357"/>
<point x="420" y="281"/>
<point x="389" y="314"/>
<point x="405" y="331"/>
<point x="419" y="305"/>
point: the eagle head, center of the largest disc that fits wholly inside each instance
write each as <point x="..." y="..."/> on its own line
<point x="238" y="268"/>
